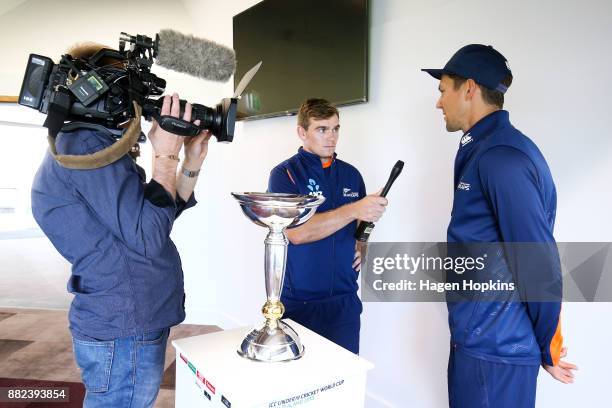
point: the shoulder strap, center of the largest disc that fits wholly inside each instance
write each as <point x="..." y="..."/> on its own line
<point x="104" y="157"/>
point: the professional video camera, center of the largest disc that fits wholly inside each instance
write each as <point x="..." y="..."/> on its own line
<point x="94" y="90"/>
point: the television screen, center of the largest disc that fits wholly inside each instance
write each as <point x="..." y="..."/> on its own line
<point x="309" y="49"/>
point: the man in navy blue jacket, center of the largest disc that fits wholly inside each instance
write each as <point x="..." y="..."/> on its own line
<point x="504" y="192"/>
<point x="323" y="261"/>
<point x="114" y="228"/>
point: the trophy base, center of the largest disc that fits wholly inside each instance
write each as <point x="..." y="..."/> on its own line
<point x="272" y="345"/>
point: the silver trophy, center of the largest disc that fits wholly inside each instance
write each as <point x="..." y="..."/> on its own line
<point x="275" y="341"/>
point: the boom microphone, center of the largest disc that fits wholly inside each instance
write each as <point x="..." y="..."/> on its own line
<point x="195" y="56"/>
<point x="365" y="227"/>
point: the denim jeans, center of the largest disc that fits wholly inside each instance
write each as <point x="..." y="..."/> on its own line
<point x="124" y="372"/>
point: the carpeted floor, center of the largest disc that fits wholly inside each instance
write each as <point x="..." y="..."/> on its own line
<point x="36" y="345"/>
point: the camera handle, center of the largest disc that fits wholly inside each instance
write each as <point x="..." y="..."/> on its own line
<point x="176" y="125"/>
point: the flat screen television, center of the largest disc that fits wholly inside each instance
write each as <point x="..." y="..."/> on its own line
<point x="309" y="49"/>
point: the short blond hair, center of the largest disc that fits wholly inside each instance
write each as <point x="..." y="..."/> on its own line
<point x="315" y="108"/>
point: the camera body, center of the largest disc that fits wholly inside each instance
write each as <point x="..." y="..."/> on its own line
<point x="101" y="89"/>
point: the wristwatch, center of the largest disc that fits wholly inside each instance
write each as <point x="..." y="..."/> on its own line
<point x="190" y="173"/>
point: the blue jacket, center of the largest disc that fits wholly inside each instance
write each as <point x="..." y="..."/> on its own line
<point x="320" y="269"/>
<point x="504" y="192"/>
<point x="115" y="231"/>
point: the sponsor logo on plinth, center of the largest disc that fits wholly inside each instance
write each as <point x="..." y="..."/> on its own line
<point x="210" y="386"/>
<point x="207" y="395"/>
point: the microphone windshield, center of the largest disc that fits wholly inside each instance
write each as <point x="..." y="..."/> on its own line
<point x="195" y="56"/>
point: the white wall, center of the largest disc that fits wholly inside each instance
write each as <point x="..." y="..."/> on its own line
<point x="561" y="60"/>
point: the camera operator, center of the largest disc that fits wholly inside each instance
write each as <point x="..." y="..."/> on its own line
<point x="114" y="228"/>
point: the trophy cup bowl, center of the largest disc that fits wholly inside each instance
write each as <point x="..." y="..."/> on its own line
<point x="275" y="340"/>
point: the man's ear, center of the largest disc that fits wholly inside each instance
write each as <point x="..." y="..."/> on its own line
<point x="301" y="133"/>
<point x="471" y="88"/>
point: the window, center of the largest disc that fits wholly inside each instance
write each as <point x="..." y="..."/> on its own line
<point x="23" y="144"/>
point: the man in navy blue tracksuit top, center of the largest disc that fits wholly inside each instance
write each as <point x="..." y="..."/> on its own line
<point x="504" y="192"/>
<point x="320" y="287"/>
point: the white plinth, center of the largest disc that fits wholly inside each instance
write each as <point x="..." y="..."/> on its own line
<point x="210" y="373"/>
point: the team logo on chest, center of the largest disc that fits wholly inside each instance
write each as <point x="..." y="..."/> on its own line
<point x="346" y="192"/>
<point x="463" y="186"/>
<point x="466" y="139"/>
<point x="314" y="188"/>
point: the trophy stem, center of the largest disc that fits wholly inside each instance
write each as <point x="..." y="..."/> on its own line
<point x="275" y="261"/>
<point x="274" y="267"/>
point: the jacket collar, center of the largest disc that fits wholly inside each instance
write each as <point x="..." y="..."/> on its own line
<point x="311" y="159"/>
<point x="485" y="126"/>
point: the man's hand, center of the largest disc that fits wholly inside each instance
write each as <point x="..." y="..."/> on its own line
<point x="163" y="142"/>
<point x="166" y="145"/>
<point x="370" y="208"/>
<point x="562" y="371"/>
<point x="196" y="147"/>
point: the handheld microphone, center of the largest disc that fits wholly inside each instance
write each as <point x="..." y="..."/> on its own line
<point x="195" y="56"/>
<point x="365" y="227"/>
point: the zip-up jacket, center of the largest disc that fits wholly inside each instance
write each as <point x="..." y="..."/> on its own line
<point x="323" y="268"/>
<point x="504" y="192"/>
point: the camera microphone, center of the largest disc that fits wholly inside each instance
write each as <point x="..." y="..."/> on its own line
<point x="365" y="227"/>
<point x="195" y="56"/>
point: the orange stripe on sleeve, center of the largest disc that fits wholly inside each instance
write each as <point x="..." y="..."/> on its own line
<point x="290" y="177"/>
<point x="556" y="344"/>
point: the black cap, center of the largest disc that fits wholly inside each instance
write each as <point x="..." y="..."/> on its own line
<point x="482" y="63"/>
